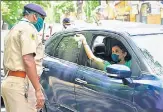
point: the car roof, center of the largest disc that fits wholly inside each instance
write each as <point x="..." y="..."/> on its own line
<point x="132" y="28"/>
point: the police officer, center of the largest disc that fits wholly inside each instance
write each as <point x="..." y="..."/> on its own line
<point x="66" y="23"/>
<point x="23" y="55"/>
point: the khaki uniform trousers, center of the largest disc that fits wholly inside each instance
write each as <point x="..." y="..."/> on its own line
<point x="13" y="92"/>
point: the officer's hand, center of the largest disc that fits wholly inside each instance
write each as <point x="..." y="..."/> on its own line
<point x="40" y="99"/>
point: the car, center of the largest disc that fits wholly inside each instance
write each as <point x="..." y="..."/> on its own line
<point x="72" y="84"/>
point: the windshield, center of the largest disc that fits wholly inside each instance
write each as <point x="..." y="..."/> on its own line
<point x="151" y="47"/>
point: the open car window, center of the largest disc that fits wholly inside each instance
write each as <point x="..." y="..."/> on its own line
<point x="101" y="47"/>
<point x="68" y="49"/>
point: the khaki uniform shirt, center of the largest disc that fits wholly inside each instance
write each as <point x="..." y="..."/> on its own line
<point x="21" y="40"/>
<point x="39" y="55"/>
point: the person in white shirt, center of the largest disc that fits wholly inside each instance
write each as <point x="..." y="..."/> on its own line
<point x="66" y="23"/>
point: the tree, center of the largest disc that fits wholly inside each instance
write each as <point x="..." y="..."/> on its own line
<point x="79" y="5"/>
<point x="12" y="10"/>
<point x="89" y="7"/>
<point x="62" y="8"/>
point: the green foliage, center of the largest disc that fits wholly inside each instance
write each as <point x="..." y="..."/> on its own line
<point x="89" y="8"/>
<point x="12" y="10"/>
<point x="61" y="8"/>
<point x="56" y="15"/>
<point x="66" y="6"/>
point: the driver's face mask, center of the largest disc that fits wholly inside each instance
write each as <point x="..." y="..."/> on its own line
<point x="115" y="58"/>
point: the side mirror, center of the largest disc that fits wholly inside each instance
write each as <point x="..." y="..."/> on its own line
<point x="119" y="71"/>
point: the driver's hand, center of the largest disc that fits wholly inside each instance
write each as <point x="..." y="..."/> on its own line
<point x="80" y="37"/>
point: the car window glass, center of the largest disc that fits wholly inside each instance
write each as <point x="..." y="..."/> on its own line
<point x="49" y="45"/>
<point x="98" y="40"/>
<point x="149" y="45"/>
<point x="68" y="49"/>
<point x="98" y="46"/>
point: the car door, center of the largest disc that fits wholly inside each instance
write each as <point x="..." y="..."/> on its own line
<point x="97" y="92"/>
<point x="59" y="72"/>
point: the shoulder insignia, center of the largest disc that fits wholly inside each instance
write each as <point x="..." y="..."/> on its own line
<point x="32" y="36"/>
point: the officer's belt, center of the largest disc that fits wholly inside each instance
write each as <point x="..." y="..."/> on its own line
<point x="21" y="74"/>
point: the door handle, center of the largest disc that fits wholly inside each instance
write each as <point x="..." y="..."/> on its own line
<point x="80" y="81"/>
<point x="46" y="69"/>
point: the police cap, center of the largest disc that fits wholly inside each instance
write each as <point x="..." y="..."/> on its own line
<point x="36" y="8"/>
<point x="66" y="21"/>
